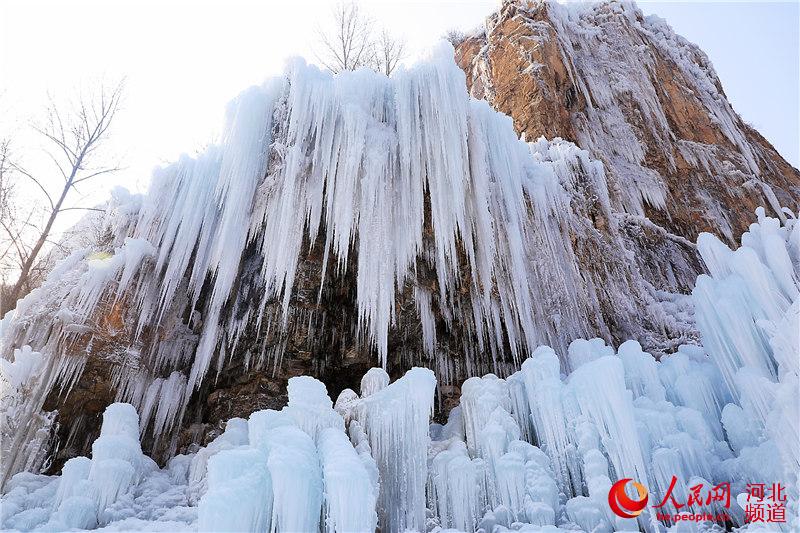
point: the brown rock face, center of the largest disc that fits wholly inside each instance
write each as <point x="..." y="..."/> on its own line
<point x="641" y="99"/>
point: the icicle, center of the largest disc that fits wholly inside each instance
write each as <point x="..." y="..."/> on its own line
<point x="242" y="166"/>
<point x="641" y="372"/>
<point x="454" y="488"/>
<point x="599" y="387"/>
<point x="400" y="172"/>
<point x="296" y="480"/>
<point x="480" y="397"/>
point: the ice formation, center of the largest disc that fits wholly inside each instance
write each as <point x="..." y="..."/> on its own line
<point x="538" y="449"/>
<point x="276" y="471"/>
<point x="626" y="151"/>
<point x="419" y="192"/>
<point x="406" y="183"/>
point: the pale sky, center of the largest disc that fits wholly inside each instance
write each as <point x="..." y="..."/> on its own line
<point x="184" y="60"/>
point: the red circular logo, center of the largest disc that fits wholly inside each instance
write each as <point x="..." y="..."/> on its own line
<point x="624" y="506"/>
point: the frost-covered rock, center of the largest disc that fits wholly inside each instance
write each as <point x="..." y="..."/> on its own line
<point x="648" y="103"/>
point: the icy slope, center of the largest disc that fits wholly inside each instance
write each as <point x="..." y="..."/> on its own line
<point x="538" y="449"/>
<point x="394" y="221"/>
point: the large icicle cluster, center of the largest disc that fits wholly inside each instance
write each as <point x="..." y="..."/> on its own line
<point x="539" y="449"/>
<point x="350" y="161"/>
<point x="276" y="471"/>
<point x="748" y="313"/>
<point x="726" y="413"/>
<point x="116" y="484"/>
<point x="24" y="429"/>
<point x="418" y="190"/>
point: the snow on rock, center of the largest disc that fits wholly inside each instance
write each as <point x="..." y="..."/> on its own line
<point x="627" y="88"/>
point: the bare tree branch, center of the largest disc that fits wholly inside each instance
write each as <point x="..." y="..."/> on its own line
<point x="77" y="135"/>
<point x="16" y="242"/>
<point x="81" y="209"/>
<point x="349" y="45"/>
<point x="34" y="180"/>
<point x="95" y="174"/>
<point x="389" y="52"/>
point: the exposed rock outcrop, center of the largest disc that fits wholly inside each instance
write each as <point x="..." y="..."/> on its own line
<point x="646" y="102"/>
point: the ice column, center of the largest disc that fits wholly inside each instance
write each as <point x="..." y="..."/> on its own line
<point x="541" y="374"/>
<point x="396" y="422"/>
<point x="239" y="496"/>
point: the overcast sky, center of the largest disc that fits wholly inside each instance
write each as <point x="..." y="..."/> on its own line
<point x="184" y="60"/>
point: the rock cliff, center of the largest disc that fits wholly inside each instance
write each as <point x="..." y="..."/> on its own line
<point x="646" y="102"/>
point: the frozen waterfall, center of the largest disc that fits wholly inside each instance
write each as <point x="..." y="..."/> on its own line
<point x="424" y="196"/>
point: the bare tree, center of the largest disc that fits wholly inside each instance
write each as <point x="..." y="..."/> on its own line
<point x="388" y="52"/>
<point x="455" y="37"/>
<point x="8" y="239"/>
<point x="15" y="226"/>
<point x="6" y="186"/>
<point x="349" y="45"/>
<point x="73" y="138"/>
